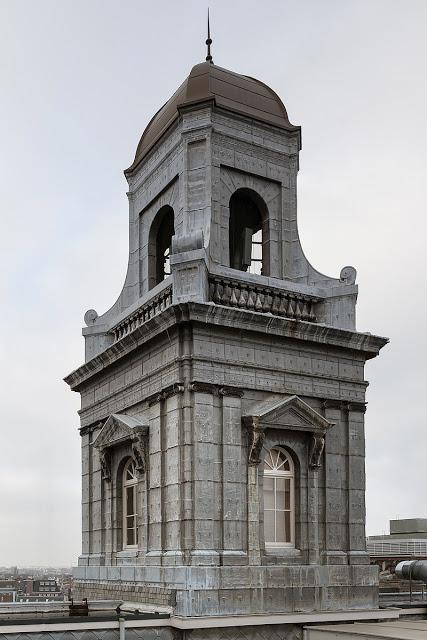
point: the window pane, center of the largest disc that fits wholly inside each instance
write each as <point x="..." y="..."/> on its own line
<point x="130" y="537"/>
<point x="269" y="459"/>
<point x="269" y="526"/>
<point x="256" y="268"/>
<point x="280" y="527"/>
<point x="275" y="454"/>
<point x="288" y="526"/>
<point x="288" y="494"/>
<point x="130" y="472"/>
<point x="130" y="501"/>
<point x="283" y="463"/>
<point x="280" y="493"/>
<point x="268" y="493"/>
<point x="166" y="260"/>
<point x="257" y="251"/>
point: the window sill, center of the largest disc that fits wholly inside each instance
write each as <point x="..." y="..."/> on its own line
<point x="130" y="552"/>
<point x="283" y="552"/>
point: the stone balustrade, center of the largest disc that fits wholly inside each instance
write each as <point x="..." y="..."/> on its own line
<point x="144" y="313"/>
<point x="263" y="299"/>
<point x="230" y="293"/>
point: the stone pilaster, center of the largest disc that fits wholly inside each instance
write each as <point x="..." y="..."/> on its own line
<point x="154" y="520"/>
<point x="356" y="486"/>
<point x="255" y="435"/>
<point x="336" y="482"/>
<point x="234" y="486"/>
<point x="207" y="479"/>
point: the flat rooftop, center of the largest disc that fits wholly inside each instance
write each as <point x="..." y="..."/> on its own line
<point x="396" y="630"/>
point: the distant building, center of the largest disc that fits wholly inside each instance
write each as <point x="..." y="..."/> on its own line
<point x="22" y="588"/>
<point x="7" y="595"/>
<point x="45" y="587"/>
<point x="407" y="539"/>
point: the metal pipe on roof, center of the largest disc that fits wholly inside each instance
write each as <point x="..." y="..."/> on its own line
<point x="412" y="570"/>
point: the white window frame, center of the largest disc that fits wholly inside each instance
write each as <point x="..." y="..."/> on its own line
<point x="256" y="263"/>
<point x="167" y="263"/>
<point x="129" y="485"/>
<point x="289" y="474"/>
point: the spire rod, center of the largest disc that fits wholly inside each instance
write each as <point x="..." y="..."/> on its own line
<point x="209" y="42"/>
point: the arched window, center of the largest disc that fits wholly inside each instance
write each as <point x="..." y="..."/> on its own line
<point x="160" y="241"/>
<point x="279" y="510"/>
<point x="248" y="231"/>
<point x="130" y="528"/>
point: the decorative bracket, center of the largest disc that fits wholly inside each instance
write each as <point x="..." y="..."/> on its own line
<point x="140" y="450"/>
<point x="171" y="390"/>
<point x="317" y="444"/>
<point x="105" y="460"/>
<point x="215" y="390"/>
<point x="256" y="439"/>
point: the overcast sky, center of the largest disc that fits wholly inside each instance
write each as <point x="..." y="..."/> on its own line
<point x="79" y="81"/>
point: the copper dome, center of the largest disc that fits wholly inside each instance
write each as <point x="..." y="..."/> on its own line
<point x="226" y="89"/>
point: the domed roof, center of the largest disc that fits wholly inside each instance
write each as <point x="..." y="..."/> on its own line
<point x="226" y="89"/>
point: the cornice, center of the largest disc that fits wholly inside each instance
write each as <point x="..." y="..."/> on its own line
<point x="237" y="319"/>
<point x="115" y="352"/>
<point x="305" y="331"/>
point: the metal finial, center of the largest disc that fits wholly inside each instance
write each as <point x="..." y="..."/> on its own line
<point x="209" y="42"/>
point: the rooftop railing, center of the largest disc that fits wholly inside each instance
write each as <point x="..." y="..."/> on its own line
<point x="263" y="299"/>
<point x="147" y="311"/>
<point x="229" y="292"/>
<point x="397" y="547"/>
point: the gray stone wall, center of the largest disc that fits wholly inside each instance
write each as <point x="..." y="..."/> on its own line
<point x="196" y="505"/>
<point x="205" y="455"/>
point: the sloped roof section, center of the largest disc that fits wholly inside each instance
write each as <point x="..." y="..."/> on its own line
<point x="288" y="413"/>
<point x="228" y="90"/>
<point x="117" y="429"/>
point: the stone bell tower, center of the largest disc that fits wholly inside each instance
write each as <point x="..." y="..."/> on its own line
<point x="223" y="394"/>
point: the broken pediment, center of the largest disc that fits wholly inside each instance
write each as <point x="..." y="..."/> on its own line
<point x="287" y="413"/>
<point x="119" y="428"/>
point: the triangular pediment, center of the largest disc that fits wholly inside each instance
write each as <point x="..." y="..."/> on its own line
<point x="118" y="428"/>
<point x="288" y="413"/>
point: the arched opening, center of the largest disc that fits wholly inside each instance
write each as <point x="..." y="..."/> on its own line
<point x="129" y="505"/>
<point x="160" y="241"/>
<point x="248" y="232"/>
<point x="279" y="499"/>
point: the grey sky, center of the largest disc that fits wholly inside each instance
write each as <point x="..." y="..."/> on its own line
<point x="79" y="81"/>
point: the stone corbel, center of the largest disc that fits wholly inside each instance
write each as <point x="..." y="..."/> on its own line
<point x="203" y="387"/>
<point x="344" y="405"/>
<point x="171" y="390"/>
<point x="214" y="389"/>
<point x="105" y="460"/>
<point x="234" y="392"/>
<point x="256" y="440"/>
<point x="317" y="444"/>
<point x="140" y="450"/>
